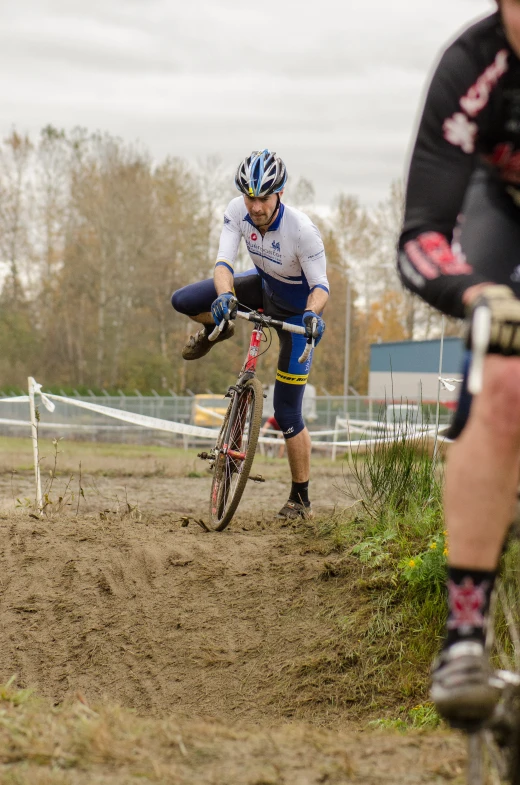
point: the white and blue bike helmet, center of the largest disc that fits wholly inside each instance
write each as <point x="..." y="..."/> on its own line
<point x="261" y="174"/>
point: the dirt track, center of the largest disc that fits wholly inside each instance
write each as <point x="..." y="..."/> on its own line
<point x="124" y="604"/>
<point x="134" y="607"/>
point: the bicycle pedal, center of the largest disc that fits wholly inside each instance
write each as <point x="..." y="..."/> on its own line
<point x="257" y="478"/>
<point x="203" y="455"/>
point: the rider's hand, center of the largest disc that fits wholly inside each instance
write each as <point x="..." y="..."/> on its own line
<point x="504" y="308"/>
<point x="319" y="326"/>
<point x="224" y="307"/>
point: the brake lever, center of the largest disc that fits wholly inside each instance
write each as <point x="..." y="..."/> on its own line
<point x="310" y="342"/>
<point x="218" y="329"/>
<point x="480" y="336"/>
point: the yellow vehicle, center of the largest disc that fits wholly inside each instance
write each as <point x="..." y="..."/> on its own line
<point x="208" y="410"/>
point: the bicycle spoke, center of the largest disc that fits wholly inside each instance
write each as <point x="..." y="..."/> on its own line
<point x="475" y="771"/>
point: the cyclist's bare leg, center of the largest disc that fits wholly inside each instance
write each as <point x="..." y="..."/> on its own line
<point x="480" y="496"/>
<point x="203" y="318"/>
<point x="483" y="469"/>
<point x="299" y="456"/>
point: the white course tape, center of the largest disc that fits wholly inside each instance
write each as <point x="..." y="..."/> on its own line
<point x="144" y="420"/>
<point x="138" y="419"/>
<point x="81" y="427"/>
<point x="68" y="426"/>
<point x="387" y="440"/>
<point x="25" y="398"/>
<point x="37" y="388"/>
<point x="154" y="423"/>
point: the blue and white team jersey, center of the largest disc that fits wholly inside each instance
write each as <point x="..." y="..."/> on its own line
<point x="290" y="258"/>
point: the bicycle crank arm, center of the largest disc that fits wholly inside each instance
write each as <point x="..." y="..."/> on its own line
<point x="256" y="478"/>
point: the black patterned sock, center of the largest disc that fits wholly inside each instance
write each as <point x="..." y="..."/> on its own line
<point x="469" y="596"/>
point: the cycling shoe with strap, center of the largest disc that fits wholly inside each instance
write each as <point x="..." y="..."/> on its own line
<point x="464" y="688"/>
<point x="293" y="510"/>
<point x="199" y="344"/>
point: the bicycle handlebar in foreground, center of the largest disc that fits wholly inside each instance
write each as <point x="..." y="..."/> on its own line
<point x="268" y="321"/>
<point x="480" y="335"/>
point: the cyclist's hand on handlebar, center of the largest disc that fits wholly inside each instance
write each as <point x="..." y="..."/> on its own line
<point x="224" y="307"/>
<point x="504" y="309"/>
<point x="314" y="325"/>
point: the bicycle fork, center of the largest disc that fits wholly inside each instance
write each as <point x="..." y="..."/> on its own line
<point x="227" y="448"/>
<point x="224" y="448"/>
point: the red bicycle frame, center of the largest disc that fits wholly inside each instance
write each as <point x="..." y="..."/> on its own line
<point x="249" y="368"/>
<point x="254" y="346"/>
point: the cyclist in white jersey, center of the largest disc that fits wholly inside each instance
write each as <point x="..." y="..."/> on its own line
<point x="289" y="282"/>
<point x="289" y="257"/>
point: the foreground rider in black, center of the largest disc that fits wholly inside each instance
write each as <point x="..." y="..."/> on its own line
<point x="466" y="161"/>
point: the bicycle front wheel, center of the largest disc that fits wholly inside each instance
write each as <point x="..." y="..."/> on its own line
<point x="234" y="453"/>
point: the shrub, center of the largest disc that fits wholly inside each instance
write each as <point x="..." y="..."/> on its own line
<point x="394" y="473"/>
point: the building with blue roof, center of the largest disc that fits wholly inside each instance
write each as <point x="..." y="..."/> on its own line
<point x="410" y="369"/>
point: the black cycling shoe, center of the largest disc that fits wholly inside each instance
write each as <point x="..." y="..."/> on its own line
<point x="294" y="510"/>
<point x="199" y="344"/>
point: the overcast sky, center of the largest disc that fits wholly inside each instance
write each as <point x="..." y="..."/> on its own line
<point x="332" y="85"/>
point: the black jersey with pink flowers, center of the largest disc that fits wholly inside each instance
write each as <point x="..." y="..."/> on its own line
<point x="471" y="118"/>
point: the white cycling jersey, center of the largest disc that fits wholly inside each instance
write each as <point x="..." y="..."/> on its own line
<point x="290" y="257"/>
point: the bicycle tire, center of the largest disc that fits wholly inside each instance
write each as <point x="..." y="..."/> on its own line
<point x="230" y="475"/>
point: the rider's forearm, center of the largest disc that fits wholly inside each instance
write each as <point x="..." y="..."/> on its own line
<point x="223" y="280"/>
<point x="317" y="300"/>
